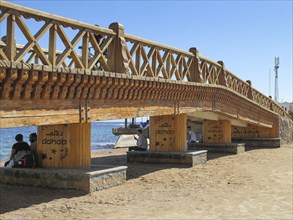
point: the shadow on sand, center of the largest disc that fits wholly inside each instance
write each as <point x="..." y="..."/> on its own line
<point x="134" y="170"/>
<point x="28" y="196"/>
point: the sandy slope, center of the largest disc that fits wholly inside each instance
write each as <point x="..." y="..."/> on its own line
<point x="254" y="185"/>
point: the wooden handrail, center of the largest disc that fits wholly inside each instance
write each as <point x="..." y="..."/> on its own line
<point x="39" y="15"/>
<point x="209" y="61"/>
<point x="152" y="44"/>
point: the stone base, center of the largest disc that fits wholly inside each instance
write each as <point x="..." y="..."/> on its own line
<point x="233" y="148"/>
<point x="188" y="158"/>
<point x="87" y="180"/>
<point x="259" y="142"/>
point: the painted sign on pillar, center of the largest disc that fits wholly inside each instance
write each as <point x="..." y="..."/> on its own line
<point x="168" y="133"/>
<point x="52" y="145"/>
<point x="65" y="146"/>
<point x="254" y="131"/>
<point x="217" y="132"/>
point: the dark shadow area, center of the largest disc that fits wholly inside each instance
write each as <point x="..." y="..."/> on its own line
<point x="117" y="160"/>
<point x="28" y="196"/>
<point x="134" y="170"/>
<point x="259" y="148"/>
<point x="16" y="197"/>
<point x="213" y="155"/>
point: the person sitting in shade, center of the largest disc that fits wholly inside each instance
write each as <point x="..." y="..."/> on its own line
<point x="142" y="144"/>
<point x="19" y="150"/>
<point x="33" y="146"/>
<point x="191" y="136"/>
<point x="145" y="128"/>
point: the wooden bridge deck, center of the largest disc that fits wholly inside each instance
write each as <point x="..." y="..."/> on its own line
<point x="123" y="76"/>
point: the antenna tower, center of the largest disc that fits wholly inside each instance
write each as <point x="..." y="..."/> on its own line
<point x="277" y="61"/>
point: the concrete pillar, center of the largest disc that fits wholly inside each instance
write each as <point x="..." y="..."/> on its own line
<point x="64" y="146"/>
<point x="217" y="132"/>
<point x="168" y="133"/>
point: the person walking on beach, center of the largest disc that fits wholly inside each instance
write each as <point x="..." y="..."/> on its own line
<point x="19" y="150"/>
<point x="191" y="136"/>
<point x="142" y="144"/>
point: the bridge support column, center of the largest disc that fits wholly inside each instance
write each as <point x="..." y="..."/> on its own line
<point x="64" y="146"/>
<point x="217" y="138"/>
<point x="258" y="137"/>
<point x="168" y="133"/>
<point x="168" y="143"/>
<point x="217" y="132"/>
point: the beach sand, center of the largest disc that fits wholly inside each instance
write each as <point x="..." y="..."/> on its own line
<point x="254" y="185"/>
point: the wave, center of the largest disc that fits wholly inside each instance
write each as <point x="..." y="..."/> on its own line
<point x="104" y="145"/>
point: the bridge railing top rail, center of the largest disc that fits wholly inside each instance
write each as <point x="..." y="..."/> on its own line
<point x="149" y="58"/>
<point x="148" y="43"/>
<point x="36" y="30"/>
<point x="44" y="16"/>
<point x="27" y="31"/>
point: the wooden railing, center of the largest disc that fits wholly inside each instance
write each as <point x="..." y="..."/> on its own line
<point x="147" y="58"/>
<point x="73" y="44"/>
<point x="52" y="31"/>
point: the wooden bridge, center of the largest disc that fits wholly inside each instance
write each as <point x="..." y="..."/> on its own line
<point x="60" y="75"/>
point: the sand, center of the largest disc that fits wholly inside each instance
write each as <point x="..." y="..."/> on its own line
<point x="254" y="185"/>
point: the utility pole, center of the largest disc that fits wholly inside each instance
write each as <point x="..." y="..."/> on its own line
<point x="277" y="61"/>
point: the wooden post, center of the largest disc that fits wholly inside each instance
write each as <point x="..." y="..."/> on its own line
<point x="249" y="95"/>
<point x="118" y="60"/>
<point x="168" y="133"/>
<point x="222" y="77"/>
<point x="52" y="44"/>
<point x="217" y="132"/>
<point x="196" y="74"/>
<point x="64" y="146"/>
<point x="10" y="40"/>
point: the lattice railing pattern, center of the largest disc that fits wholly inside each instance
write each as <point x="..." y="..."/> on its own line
<point x="237" y="84"/>
<point x="146" y="58"/>
<point x="261" y="99"/>
<point x="36" y="30"/>
<point x="278" y="109"/>
<point x="209" y="71"/>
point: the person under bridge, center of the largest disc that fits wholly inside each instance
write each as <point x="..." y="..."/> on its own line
<point x="142" y="144"/>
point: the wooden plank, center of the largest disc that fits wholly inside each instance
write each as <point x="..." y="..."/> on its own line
<point x="37" y="120"/>
<point x="52" y="44"/>
<point x="10" y="38"/>
<point x="85" y="50"/>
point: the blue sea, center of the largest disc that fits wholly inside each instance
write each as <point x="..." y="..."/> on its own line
<point x="101" y="136"/>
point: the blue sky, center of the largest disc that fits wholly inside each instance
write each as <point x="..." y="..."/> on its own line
<point x="246" y="35"/>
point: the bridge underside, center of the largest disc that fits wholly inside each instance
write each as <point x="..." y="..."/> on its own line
<point x="37" y="97"/>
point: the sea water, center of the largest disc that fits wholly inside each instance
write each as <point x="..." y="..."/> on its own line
<point x="101" y="136"/>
